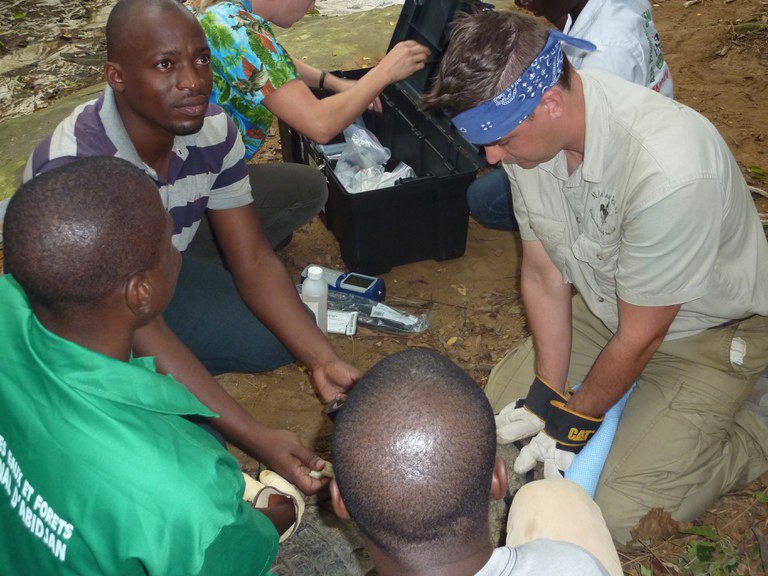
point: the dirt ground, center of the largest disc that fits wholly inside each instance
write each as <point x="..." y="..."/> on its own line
<point x="718" y="54"/>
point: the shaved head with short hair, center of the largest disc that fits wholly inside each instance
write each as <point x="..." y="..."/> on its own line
<point x="413" y="450"/>
<point x="74" y="234"/>
<point x="120" y="20"/>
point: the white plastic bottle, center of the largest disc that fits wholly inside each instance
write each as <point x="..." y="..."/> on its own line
<point x="314" y="293"/>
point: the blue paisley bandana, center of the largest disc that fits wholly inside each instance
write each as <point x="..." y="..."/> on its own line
<point x="497" y="117"/>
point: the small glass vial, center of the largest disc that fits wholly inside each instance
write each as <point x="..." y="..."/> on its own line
<point x="314" y="293"/>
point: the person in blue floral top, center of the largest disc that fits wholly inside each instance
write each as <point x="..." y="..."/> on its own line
<point x="256" y="79"/>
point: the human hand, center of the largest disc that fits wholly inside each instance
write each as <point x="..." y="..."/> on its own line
<point x="376" y="105"/>
<point x="526" y="417"/>
<point x="543" y="448"/>
<point x="284" y="453"/>
<point x="404" y="59"/>
<point x="333" y="379"/>
<point x="515" y="422"/>
<point x="565" y="433"/>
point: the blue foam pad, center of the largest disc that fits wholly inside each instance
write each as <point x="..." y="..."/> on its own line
<point x="588" y="464"/>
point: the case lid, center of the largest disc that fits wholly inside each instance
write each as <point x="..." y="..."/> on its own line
<point x="426" y="21"/>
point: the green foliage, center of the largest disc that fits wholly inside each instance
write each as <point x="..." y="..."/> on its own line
<point x="762" y="497"/>
<point x="756" y="172"/>
<point x="712" y="555"/>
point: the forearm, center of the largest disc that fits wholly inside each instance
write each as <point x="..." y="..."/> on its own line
<point x="615" y="370"/>
<point x="311" y="77"/>
<point x="268" y="290"/>
<point x="548" y="311"/>
<point x="309" y="74"/>
<point x="323" y="119"/>
<point x="642" y="330"/>
<point x="173" y="357"/>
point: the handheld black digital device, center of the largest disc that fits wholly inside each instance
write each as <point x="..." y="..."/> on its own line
<point x="353" y="283"/>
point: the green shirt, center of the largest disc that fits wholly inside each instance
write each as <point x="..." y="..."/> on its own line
<point x="100" y="473"/>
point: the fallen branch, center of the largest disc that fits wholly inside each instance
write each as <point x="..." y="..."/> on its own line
<point x="750" y="26"/>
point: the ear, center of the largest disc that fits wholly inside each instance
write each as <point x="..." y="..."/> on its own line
<point x="553" y="102"/>
<point x="138" y="294"/>
<point x="499" y="479"/>
<point x="113" y="73"/>
<point x="337" y="502"/>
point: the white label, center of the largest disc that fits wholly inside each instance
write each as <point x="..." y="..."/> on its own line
<point x="340" y="322"/>
<point x="382" y="311"/>
<point x="738" y="351"/>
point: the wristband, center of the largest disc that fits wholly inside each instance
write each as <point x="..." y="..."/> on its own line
<point x="570" y="429"/>
<point x="321" y="82"/>
<point x="540" y="395"/>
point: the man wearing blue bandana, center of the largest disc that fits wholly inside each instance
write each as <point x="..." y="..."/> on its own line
<point x="636" y="202"/>
<point x="628" y="45"/>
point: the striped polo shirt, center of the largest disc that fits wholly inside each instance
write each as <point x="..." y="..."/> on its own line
<point x="207" y="169"/>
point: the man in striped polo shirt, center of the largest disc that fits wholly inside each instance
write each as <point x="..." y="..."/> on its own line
<point x="155" y="113"/>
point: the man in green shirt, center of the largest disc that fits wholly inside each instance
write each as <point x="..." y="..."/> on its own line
<point x="101" y="472"/>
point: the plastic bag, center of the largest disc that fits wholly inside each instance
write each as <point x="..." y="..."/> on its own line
<point x="378" y="315"/>
<point x="360" y="166"/>
<point x="363" y="149"/>
<point x="401" y="172"/>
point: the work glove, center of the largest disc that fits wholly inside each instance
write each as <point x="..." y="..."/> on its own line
<point x="257" y="492"/>
<point x="565" y="434"/>
<point x="526" y="417"/>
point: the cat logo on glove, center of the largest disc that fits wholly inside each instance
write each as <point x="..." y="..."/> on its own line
<point x="576" y="435"/>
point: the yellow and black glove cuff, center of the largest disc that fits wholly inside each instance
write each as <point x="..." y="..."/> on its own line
<point x="570" y="429"/>
<point x="539" y="399"/>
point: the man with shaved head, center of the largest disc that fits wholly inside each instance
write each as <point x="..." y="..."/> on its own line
<point x="155" y="114"/>
<point x="414" y="453"/>
<point x="102" y="471"/>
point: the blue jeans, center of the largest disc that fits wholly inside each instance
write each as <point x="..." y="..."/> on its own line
<point x="490" y="201"/>
<point x="209" y="316"/>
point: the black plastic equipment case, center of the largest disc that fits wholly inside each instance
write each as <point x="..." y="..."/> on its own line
<point x="421" y="218"/>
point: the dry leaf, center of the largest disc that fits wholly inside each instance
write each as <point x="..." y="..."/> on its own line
<point x="657" y="524"/>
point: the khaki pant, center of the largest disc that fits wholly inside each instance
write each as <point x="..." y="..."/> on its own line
<point x="561" y="510"/>
<point x="684" y="437"/>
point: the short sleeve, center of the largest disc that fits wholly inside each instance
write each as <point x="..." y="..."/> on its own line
<point x="668" y="250"/>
